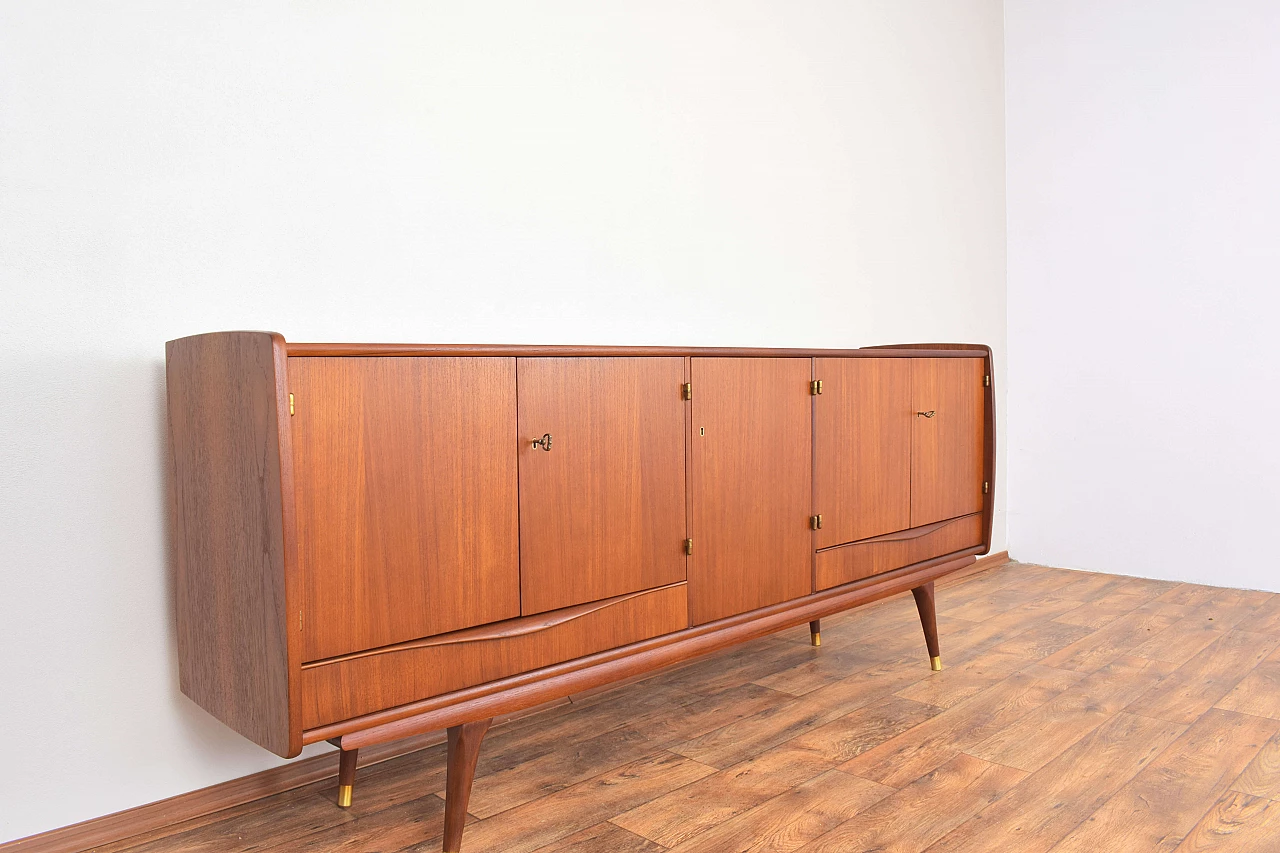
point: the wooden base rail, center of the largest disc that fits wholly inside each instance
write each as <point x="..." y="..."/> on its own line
<point x="632" y="660"/>
<point x="468" y="720"/>
<point x="742" y="626"/>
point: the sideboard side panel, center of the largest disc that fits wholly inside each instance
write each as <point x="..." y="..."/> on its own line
<point x="229" y="532"/>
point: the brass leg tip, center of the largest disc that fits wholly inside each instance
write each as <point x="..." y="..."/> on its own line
<point x="344" y="796"/>
<point x="816" y="638"/>
<point x="936" y="663"/>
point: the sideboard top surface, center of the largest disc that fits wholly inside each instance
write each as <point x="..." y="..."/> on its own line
<point x="534" y="350"/>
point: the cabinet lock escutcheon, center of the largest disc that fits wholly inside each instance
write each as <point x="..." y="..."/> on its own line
<point x="544" y="443"/>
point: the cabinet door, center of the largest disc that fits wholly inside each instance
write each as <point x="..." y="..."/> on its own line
<point x="602" y="511"/>
<point x="752" y="484"/>
<point x="947" y="447"/>
<point x="862" y="448"/>
<point x="405" y="471"/>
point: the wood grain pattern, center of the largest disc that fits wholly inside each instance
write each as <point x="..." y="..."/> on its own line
<point x="1166" y="799"/>
<point x="554" y="781"/>
<point x="237" y="658"/>
<point x="1197" y="685"/>
<point x="603" y="512"/>
<point x="1115" y="603"/>
<point x="910" y="819"/>
<point x="406" y="497"/>
<point x="859" y="560"/>
<point x="862" y="448"/>
<point x="1050" y="803"/>
<point x="351" y="686"/>
<point x="901" y="760"/>
<point x="1046" y="732"/>
<point x="1196" y="631"/>
<point x="849" y="736"/>
<point x="604" y="837"/>
<point x="534" y="825"/>
<point x="682" y="814"/>
<point x="786" y="822"/>
<point x="1118" y="637"/>
<point x="1262" y="777"/>
<point x="947" y="450"/>
<point x="1237" y="823"/>
<point x="752" y="485"/>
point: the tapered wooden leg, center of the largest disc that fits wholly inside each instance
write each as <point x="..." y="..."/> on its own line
<point x="929" y="619"/>
<point x="346" y="775"/>
<point x="815" y="632"/>
<point x="464" y="749"/>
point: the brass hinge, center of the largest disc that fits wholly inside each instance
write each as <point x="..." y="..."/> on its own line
<point x="686" y="391"/>
<point x="986" y="487"/>
<point x="986" y="380"/>
<point x="291" y="404"/>
<point x="299" y="620"/>
<point x="688" y="546"/>
<point x="815" y="387"/>
<point x="815" y="522"/>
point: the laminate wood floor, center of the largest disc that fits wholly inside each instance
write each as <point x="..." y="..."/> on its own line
<point x="1076" y="712"/>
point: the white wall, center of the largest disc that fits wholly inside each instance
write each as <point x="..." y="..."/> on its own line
<point x="1144" y="286"/>
<point x="753" y="173"/>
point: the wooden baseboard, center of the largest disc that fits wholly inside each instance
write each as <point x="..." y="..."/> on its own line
<point x="236" y="792"/>
<point x="153" y="816"/>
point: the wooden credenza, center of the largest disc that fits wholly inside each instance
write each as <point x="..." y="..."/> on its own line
<point x="377" y="541"/>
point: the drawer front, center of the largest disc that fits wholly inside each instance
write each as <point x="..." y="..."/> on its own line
<point x="859" y="560"/>
<point x="358" y="684"/>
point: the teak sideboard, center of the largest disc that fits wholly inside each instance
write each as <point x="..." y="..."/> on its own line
<point x="376" y="541"/>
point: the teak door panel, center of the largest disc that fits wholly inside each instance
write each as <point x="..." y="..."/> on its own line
<point x="752" y="484"/>
<point x="602" y="512"/>
<point x="946" y="447"/>
<point x="406" y="497"/>
<point x="862" y="448"/>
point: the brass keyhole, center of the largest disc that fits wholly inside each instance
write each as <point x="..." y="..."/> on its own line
<point x="544" y="442"/>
